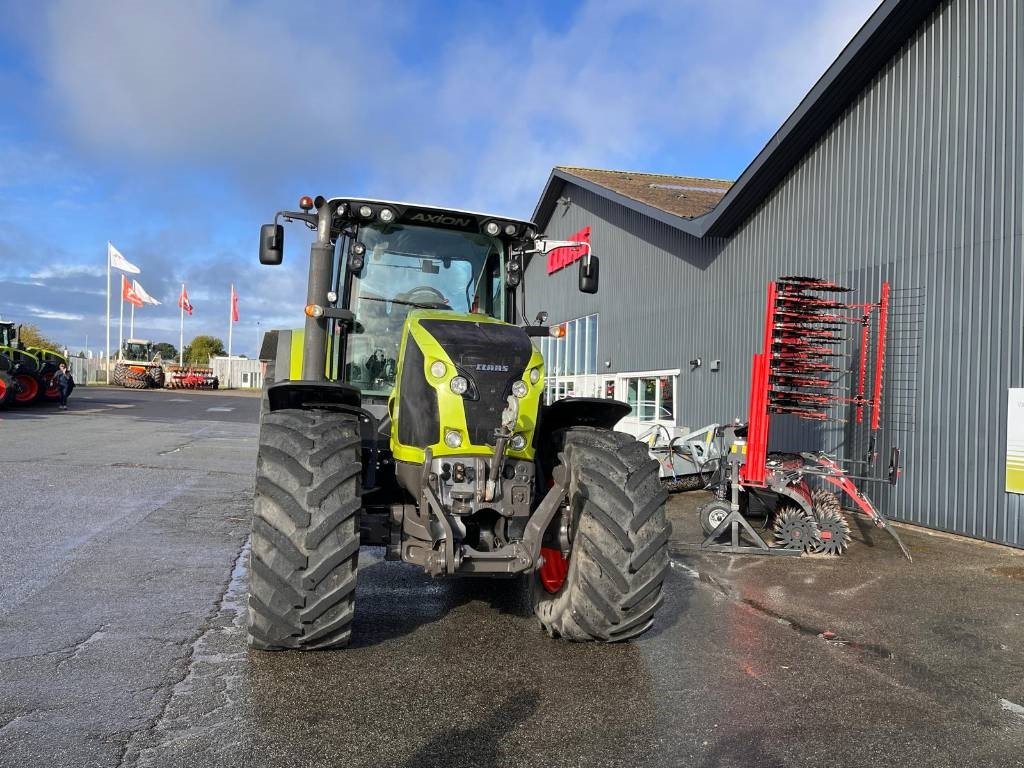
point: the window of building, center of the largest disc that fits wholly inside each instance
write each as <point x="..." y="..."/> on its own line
<point x="570" y="362"/>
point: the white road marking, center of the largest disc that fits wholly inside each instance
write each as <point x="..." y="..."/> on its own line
<point x="179" y="400"/>
<point x="219" y="408"/>
<point x="1011" y="706"/>
<point x="122" y="405"/>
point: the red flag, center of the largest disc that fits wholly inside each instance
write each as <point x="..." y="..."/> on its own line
<point x="183" y="301"/>
<point x="234" y="305"/>
<point x="128" y="293"/>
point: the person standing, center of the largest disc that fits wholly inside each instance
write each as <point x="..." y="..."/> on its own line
<point x="65" y="383"/>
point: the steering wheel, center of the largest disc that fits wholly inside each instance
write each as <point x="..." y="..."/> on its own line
<point x="426" y="296"/>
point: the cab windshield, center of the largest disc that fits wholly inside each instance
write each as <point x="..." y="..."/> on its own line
<point x="407" y="268"/>
<point x="136" y="351"/>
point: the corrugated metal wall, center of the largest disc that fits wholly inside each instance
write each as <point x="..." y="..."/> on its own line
<point x="920" y="183"/>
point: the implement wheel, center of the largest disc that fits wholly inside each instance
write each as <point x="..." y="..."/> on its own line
<point x="305" y="531"/>
<point x="608" y="585"/>
<point x="157" y="376"/>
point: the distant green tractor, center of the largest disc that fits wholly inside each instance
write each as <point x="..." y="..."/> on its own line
<point x="409" y="414"/>
<point x="26" y="373"/>
<point x="138" y="367"/>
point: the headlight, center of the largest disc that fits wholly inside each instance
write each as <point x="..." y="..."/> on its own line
<point x="518" y="442"/>
<point x="438" y="369"/>
<point x="459" y="385"/>
<point x="386" y="215"/>
<point x="452" y="439"/>
<point x="510" y="229"/>
<point x="492" y="228"/>
<point x="535" y="375"/>
<point x="365" y="211"/>
<point x="519" y="389"/>
<point x="332" y="296"/>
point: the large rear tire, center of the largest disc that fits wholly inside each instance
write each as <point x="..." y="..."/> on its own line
<point x="619" y="541"/>
<point x="6" y="389"/>
<point x="305" y="531"/>
<point x="117" y="377"/>
<point x="30" y="387"/>
<point x="135" y="380"/>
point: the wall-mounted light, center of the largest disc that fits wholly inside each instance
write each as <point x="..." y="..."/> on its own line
<point x="696" y="362"/>
<point x="716" y="365"/>
<point x="607" y="363"/>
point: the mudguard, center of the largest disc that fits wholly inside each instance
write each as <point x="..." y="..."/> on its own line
<point x="597" y="412"/>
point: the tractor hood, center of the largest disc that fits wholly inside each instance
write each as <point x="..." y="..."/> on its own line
<point x="438" y="347"/>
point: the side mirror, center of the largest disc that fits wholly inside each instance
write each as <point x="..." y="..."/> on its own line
<point x="589" y="277"/>
<point x="271" y="244"/>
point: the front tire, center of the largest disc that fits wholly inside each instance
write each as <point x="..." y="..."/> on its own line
<point x="305" y="531"/>
<point x="157" y="376"/>
<point x="619" y="551"/>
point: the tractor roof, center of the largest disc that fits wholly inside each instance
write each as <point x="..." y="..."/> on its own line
<point x="429" y="215"/>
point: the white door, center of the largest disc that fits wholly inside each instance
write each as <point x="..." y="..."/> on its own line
<point x="651" y="398"/>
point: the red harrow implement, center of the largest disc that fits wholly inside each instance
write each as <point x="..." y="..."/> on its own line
<point x="191" y="378"/>
<point x="803" y="371"/>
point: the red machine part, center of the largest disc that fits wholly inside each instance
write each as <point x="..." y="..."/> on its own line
<point x="883" y="323"/>
<point x="554" y="570"/>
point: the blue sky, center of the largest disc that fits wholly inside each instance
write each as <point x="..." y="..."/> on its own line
<point x="175" y="129"/>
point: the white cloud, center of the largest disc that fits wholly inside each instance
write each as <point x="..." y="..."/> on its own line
<point x="65" y="271"/>
<point x="49" y="314"/>
<point x="246" y="90"/>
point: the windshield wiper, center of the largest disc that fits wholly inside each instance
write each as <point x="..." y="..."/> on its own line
<point x="399" y="301"/>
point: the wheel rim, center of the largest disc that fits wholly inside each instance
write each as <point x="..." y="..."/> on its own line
<point x="29" y="388"/>
<point x="3" y="390"/>
<point x="554" y="570"/>
<point x="715" y="517"/>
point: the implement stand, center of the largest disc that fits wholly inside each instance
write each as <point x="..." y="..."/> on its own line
<point x="732" y="524"/>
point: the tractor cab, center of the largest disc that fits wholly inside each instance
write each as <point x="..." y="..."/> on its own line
<point x="8" y="334"/>
<point x="136" y="351"/>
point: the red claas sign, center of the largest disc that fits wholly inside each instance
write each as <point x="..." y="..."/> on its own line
<point x="563" y="257"/>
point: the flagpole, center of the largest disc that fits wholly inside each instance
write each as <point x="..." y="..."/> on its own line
<point x="108" y="312"/>
<point x="120" y="322"/>
<point x="181" y="330"/>
<point x="231" y="328"/>
<point x="131" y="332"/>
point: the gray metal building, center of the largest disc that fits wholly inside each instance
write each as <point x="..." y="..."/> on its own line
<point x="904" y="163"/>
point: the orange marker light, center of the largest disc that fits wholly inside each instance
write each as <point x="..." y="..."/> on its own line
<point x="558" y="331"/>
<point x="305" y="202"/>
<point x="314" y="310"/>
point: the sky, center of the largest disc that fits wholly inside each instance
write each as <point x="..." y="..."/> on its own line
<point x="174" y="129"/>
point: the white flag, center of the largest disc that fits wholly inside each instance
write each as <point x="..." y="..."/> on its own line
<point x="141" y="293"/>
<point x="117" y="261"/>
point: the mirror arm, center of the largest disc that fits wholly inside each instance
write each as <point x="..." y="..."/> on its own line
<point x="310" y="219"/>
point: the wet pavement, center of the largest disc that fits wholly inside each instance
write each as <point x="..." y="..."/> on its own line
<point x="122" y="642"/>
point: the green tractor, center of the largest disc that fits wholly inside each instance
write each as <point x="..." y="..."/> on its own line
<point x="408" y="414"/>
<point x="26" y="373"/>
<point x="137" y="366"/>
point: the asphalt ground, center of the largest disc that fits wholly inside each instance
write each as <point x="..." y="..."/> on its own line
<point x="123" y="529"/>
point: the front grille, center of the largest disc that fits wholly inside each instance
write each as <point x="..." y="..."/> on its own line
<point x="477" y="349"/>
